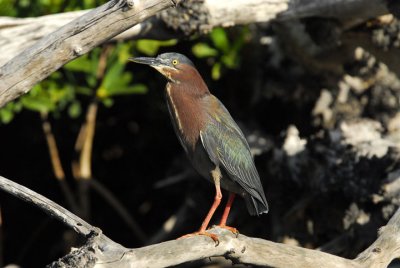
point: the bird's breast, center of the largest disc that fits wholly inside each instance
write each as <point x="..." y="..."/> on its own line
<point x="186" y="114"/>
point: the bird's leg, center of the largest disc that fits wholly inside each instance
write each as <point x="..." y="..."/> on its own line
<point x="216" y="175"/>
<point x="217" y="201"/>
<point x="224" y="217"/>
<point x="228" y="206"/>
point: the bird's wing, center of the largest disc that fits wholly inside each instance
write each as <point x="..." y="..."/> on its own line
<point x="226" y="145"/>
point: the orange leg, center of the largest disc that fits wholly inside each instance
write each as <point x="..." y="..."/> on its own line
<point x="203" y="227"/>
<point x="228" y="206"/>
<point x="217" y="201"/>
<point x="224" y="217"/>
<point x="216" y="174"/>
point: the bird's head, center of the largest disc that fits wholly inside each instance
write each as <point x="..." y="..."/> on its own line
<point x="174" y="66"/>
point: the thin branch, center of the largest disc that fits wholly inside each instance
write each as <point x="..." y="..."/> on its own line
<point x="56" y="162"/>
<point x="104" y="248"/>
<point x="85" y="160"/>
<point x="52" y="146"/>
<point x="80" y="226"/>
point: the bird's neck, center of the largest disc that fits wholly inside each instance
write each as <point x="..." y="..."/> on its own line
<point x="186" y="111"/>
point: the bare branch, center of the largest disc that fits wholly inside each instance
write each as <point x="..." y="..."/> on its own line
<point x="103" y="252"/>
<point x="385" y="248"/>
<point x="72" y="40"/>
<point x="51" y="208"/>
<point x="243" y="249"/>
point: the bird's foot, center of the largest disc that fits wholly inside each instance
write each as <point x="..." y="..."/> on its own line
<point x="214" y="237"/>
<point x="231" y="229"/>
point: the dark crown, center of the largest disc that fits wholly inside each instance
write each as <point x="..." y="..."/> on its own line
<point x="176" y="56"/>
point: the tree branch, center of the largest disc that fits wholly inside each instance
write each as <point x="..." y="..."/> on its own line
<point x="385" y="248"/>
<point x="100" y="251"/>
<point x="51" y="208"/>
<point x="71" y="41"/>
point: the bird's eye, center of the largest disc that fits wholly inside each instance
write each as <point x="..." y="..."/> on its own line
<point x="175" y="62"/>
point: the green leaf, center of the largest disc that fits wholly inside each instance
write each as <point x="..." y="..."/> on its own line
<point x="75" y="109"/>
<point x="38" y="104"/>
<point x="7" y="113"/>
<point x="113" y="76"/>
<point x="230" y="60"/>
<point x="203" y="50"/>
<point x="151" y="47"/>
<point x="91" y="80"/>
<point x="108" y="102"/>
<point x="135" y="89"/>
<point x="216" y="71"/>
<point x="6" y="116"/>
<point x="7" y="8"/>
<point x="17" y="106"/>
<point x="124" y="52"/>
<point x="220" y="39"/>
<point x="81" y="64"/>
<point x="84" y="90"/>
<point x="87" y="63"/>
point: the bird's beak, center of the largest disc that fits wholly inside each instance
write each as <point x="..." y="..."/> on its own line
<point x="147" y="60"/>
<point x="158" y="64"/>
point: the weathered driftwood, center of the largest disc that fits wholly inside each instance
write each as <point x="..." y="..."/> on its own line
<point x="100" y="251"/>
<point x="72" y="40"/>
<point x="91" y="29"/>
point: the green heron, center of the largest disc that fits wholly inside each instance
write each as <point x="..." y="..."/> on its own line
<point x="212" y="140"/>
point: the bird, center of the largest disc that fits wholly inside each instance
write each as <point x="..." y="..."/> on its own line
<point x="212" y="140"/>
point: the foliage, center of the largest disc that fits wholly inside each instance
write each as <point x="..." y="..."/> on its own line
<point x="224" y="52"/>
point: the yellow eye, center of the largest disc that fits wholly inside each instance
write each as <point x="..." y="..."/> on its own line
<point x="175" y="62"/>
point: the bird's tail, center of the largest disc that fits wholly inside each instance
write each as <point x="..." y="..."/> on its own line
<point x="255" y="206"/>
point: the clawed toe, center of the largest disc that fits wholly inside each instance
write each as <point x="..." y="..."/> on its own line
<point x="214" y="237"/>
<point x="231" y="229"/>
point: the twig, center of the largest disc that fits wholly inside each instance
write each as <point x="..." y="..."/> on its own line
<point x="170" y="180"/>
<point x="52" y="146"/>
<point x="56" y="162"/>
<point x="85" y="159"/>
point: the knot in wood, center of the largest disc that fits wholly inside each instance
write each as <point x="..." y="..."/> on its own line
<point x="376" y="250"/>
<point x="77" y="50"/>
<point x="130" y="4"/>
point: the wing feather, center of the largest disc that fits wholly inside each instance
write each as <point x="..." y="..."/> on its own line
<point x="226" y="145"/>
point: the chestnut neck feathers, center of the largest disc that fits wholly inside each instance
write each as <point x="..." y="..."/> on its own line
<point x="185" y="95"/>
